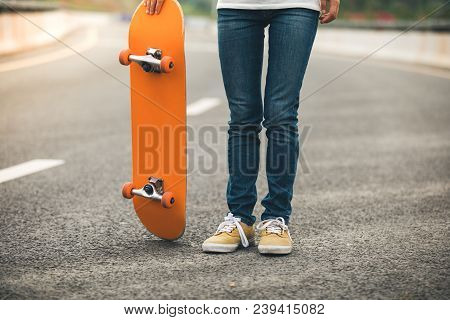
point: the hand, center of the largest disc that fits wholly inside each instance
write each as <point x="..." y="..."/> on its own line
<point x="331" y="14"/>
<point x="153" y="6"/>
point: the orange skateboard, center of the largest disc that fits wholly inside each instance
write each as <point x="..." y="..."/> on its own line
<point x="158" y="119"/>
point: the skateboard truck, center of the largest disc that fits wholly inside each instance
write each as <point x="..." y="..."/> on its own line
<point x="153" y="190"/>
<point x="153" y="61"/>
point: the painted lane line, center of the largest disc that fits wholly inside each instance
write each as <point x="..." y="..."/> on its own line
<point x="89" y="42"/>
<point x="202" y="105"/>
<point x="27" y="168"/>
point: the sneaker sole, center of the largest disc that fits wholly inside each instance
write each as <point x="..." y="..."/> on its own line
<point x="220" y="248"/>
<point x="274" y="249"/>
<point x="224" y="248"/>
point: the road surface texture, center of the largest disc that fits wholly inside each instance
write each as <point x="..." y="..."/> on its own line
<point x="371" y="208"/>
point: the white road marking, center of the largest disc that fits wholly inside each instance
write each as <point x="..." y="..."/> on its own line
<point x="89" y="42"/>
<point x="27" y="168"/>
<point x="202" y="105"/>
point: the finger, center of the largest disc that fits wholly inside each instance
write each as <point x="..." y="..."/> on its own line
<point x="323" y="6"/>
<point x="147" y="4"/>
<point x="326" y="18"/>
<point x="152" y="6"/>
<point x="332" y="13"/>
<point x="159" y="5"/>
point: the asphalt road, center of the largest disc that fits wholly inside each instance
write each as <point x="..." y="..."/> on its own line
<point x="371" y="207"/>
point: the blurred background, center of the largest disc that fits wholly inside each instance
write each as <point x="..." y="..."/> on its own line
<point x="350" y="10"/>
<point x="353" y="10"/>
<point x="371" y="203"/>
<point x="355" y="16"/>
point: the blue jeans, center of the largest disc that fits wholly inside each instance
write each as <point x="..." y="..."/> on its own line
<point x="241" y="46"/>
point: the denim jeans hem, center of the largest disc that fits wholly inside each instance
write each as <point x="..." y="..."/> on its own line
<point x="248" y="221"/>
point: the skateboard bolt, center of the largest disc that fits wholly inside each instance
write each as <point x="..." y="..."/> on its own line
<point x="148" y="189"/>
<point x="172" y="200"/>
<point x="146" y="67"/>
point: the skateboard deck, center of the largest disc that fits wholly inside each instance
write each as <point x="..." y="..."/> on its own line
<point x="158" y="119"/>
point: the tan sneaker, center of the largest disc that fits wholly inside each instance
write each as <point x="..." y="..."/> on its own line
<point x="274" y="237"/>
<point x="229" y="235"/>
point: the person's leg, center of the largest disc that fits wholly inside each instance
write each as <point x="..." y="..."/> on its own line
<point x="291" y="36"/>
<point x="241" y="46"/>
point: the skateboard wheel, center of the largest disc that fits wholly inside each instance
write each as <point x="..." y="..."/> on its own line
<point x="126" y="190"/>
<point x="123" y="57"/>
<point x="168" y="199"/>
<point x="167" y="64"/>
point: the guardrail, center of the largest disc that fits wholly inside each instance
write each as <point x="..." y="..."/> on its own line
<point x="435" y="25"/>
<point x="27" y="6"/>
<point x="416" y="47"/>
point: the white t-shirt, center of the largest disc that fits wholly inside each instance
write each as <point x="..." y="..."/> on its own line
<point x="268" y="4"/>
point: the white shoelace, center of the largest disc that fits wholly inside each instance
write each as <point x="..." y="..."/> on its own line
<point x="277" y="226"/>
<point x="228" y="226"/>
